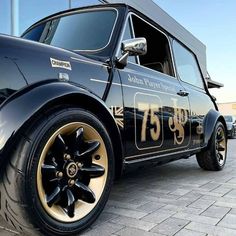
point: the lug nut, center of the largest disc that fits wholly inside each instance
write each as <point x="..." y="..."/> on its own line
<point x="71" y="182"/>
<point x="59" y="174"/>
<point x="80" y="165"/>
<point x="67" y="157"/>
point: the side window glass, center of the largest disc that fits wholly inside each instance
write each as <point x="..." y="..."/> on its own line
<point x="187" y="66"/>
<point x="158" y="55"/>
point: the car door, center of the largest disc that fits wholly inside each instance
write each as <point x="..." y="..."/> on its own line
<point x="191" y="79"/>
<point x="156" y="107"/>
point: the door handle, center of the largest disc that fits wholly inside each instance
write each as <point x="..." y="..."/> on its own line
<point x="183" y="93"/>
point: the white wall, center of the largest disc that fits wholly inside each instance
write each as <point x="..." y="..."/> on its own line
<point x="227" y="108"/>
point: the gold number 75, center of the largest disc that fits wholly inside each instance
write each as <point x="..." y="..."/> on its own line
<point x="154" y="120"/>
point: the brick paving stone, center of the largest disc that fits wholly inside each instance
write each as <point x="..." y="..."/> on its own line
<point x="158" y="216"/>
<point x="229" y="221"/>
<point x="197" y="218"/>
<point x="226" y="202"/>
<point x="232" y="181"/>
<point x="139" y="224"/>
<point x="151" y="207"/>
<point x="211" y="198"/>
<point x="202" y="204"/>
<point x="210" y="193"/>
<point x="231" y="194"/>
<point x="138" y="201"/>
<point x="170" y="226"/>
<point x="104" y="217"/>
<point x="193" y="195"/>
<point x="135" y="232"/>
<point x="187" y="232"/>
<point x="209" y="186"/>
<point x="210" y="229"/>
<point x="215" y="211"/>
<point x="221" y="190"/>
<point x="105" y="229"/>
<point x="183" y="209"/>
<point x="119" y="204"/>
<point x="125" y="212"/>
<point x="180" y="192"/>
<point x="232" y="212"/>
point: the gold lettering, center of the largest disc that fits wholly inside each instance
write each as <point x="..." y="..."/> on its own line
<point x="154" y="120"/>
<point x="177" y="123"/>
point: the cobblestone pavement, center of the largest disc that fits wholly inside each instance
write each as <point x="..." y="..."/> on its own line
<point x="175" y="199"/>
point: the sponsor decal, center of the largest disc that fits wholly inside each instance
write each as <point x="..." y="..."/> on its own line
<point x="60" y="64"/>
<point x="177" y="123"/>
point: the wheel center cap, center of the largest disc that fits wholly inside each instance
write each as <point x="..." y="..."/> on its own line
<point x="72" y="170"/>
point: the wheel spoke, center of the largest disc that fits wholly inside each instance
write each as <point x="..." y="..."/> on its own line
<point x="59" y="147"/>
<point x="220" y="138"/>
<point x="48" y="170"/>
<point x="74" y="140"/>
<point x="92" y="147"/>
<point x="54" y="197"/>
<point x="93" y="171"/>
<point x="220" y="157"/>
<point x="71" y="203"/>
<point x="79" y="136"/>
<point x="87" y="194"/>
<point x="221" y="147"/>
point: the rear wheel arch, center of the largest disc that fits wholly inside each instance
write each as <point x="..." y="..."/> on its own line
<point x="210" y="122"/>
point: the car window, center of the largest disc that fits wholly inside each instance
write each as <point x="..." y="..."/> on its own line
<point x="82" y="31"/>
<point x="187" y="67"/>
<point x="158" y="55"/>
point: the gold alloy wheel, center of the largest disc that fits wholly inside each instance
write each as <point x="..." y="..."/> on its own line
<point x="220" y="145"/>
<point x="72" y="172"/>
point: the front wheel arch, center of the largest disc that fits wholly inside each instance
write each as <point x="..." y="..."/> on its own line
<point x="98" y="109"/>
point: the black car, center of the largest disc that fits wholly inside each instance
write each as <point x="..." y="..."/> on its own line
<point x="231" y="125"/>
<point x="88" y="91"/>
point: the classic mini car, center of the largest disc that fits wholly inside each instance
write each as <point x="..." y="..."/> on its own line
<point x="88" y="91"/>
<point x="231" y="125"/>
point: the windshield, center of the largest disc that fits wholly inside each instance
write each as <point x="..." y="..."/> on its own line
<point x="82" y="31"/>
<point x="228" y="118"/>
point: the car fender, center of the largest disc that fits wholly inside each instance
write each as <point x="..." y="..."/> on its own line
<point x="209" y="123"/>
<point x="22" y="106"/>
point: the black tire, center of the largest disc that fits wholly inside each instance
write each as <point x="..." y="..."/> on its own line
<point x="214" y="156"/>
<point x="26" y="177"/>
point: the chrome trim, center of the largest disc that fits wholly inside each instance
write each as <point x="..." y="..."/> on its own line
<point x="126" y="159"/>
<point x="89" y="62"/>
<point x="100" y="81"/>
